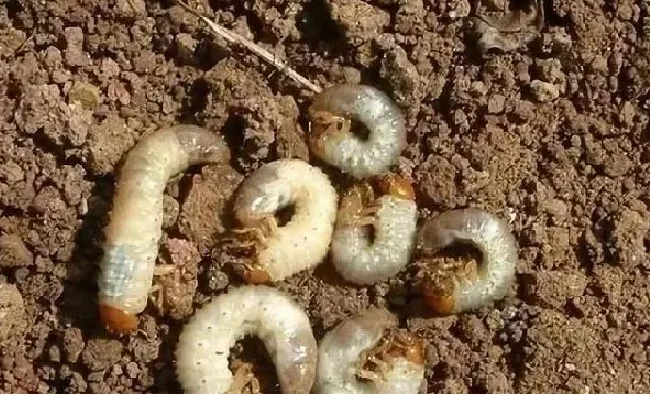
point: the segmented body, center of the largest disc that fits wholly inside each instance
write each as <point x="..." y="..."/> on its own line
<point x="303" y="242"/>
<point x="456" y="291"/>
<point x="333" y="140"/>
<point x="131" y="237"/>
<point x="205" y="342"/>
<point x="398" y="363"/>
<point x="393" y="216"/>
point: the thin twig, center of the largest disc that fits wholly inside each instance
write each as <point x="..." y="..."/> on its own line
<point x="235" y="38"/>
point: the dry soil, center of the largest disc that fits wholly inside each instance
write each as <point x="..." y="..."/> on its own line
<point x="552" y="134"/>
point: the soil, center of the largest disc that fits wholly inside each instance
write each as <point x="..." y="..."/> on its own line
<point x="552" y="134"/>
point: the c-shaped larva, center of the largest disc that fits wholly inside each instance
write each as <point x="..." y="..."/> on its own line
<point x="331" y="138"/>
<point x="205" y="342"/>
<point x="394" y="219"/>
<point x="458" y="289"/>
<point x="371" y="338"/>
<point x="134" y="228"/>
<point x="279" y="252"/>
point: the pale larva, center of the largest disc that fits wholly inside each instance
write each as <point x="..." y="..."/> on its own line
<point x="134" y="228"/>
<point x="394" y="218"/>
<point x="453" y="291"/>
<point x="205" y="342"/>
<point x="371" y="337"/>
<point x="281" y="251"/>
<point x="332" y="139"/>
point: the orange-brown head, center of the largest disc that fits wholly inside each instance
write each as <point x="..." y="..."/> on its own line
<point x="415" y="352"/>
<point x="395" y="186"/>
<point x="324" y="124"/>
<point x="255" y="276"/>
<point x="116" y="320"/>
<point x="441" y="302"/>
<point x="408" y="346"/>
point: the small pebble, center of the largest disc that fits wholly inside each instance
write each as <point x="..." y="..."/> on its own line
<point x="13" y="252"/>
<point x="544" y="91"/>
<point x="72" y="344"/>
<point x="496" y="104"/>
<point x="185" y="47"/>
<point x="86" y="94"/>
<point x="12" y="312"/>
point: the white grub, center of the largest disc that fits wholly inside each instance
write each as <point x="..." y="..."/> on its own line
<point x="303" y="242"/>
<point x="460" y="292"/>
<point x="131" y="242"/>
<point x="393" y="217"/>
<point x="332" y="139"/>
<point x="371" y="337"/>
<point x="205" y="342"/>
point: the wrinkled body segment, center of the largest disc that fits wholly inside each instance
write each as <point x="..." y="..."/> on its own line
<point x="397" y="357"/>
<point x="332" y="139"/>
<point x="131" y="237"/>
<point x="205" y="342"/>
<point x="494" y="275"/>
<point x="303" y="242"/>
<point x="393" y="216"/>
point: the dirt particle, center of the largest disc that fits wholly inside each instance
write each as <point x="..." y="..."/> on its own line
<point x="100" y="354"/>
<point x="290" y="138"/>
<point x="13" y="320"/>
<point x="42" y="109"/>
<point x="337" y="303"/>
<point x="217" y="279"/>
<point x="13" y="252"/>
<point x="490" y="379"/>
<point x="496" y="104"/>
<point x="11" y="173"/>
<point x="616" y="164"/>
<point x="48" y="201"/>
<point x="343" y="75"/>
<point x="130" y="8"/>
<point x="52" y="57"/>
<point x="553" y="289"/>
<point x="437" y="182"/>
<point x="496" y="5"/>
<point x="11" y="40"/>
<point x="107" y="142"/>
<point x="145" y="351"/>
<point x="177" y="288"/>
<point x="451" y="386"/>
<point x="202" y="212"/>
<point x="459" y="9"/>
<point x="359" y="21"/>
<point x="409" y="17"/>
<point x="72" y="344"/>
<point x="74" y="54"/>
<point x="554" y="207"/>
<point x="132" y="370"/>
<point x="171" y="210"/>
<point x="561" y="42"/>
<point x="85" y="94"/>
<point x="54" y="354"/>
<point x="544" y="91"/>
<point x="630" y="228"/>
<point x="402" y="78"/>
<point x="185" y="47"/>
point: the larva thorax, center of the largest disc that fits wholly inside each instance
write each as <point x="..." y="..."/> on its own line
<point x="206" y="340"/>
<point x="362" y="198"/>
<point x="332" y="138"/>
<point x="267" y="251"/>
<point x="465" y="285"/>
<point x="369" y="353"/>
<point x="389" y="209"/>
<point x="131" y="237"/>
